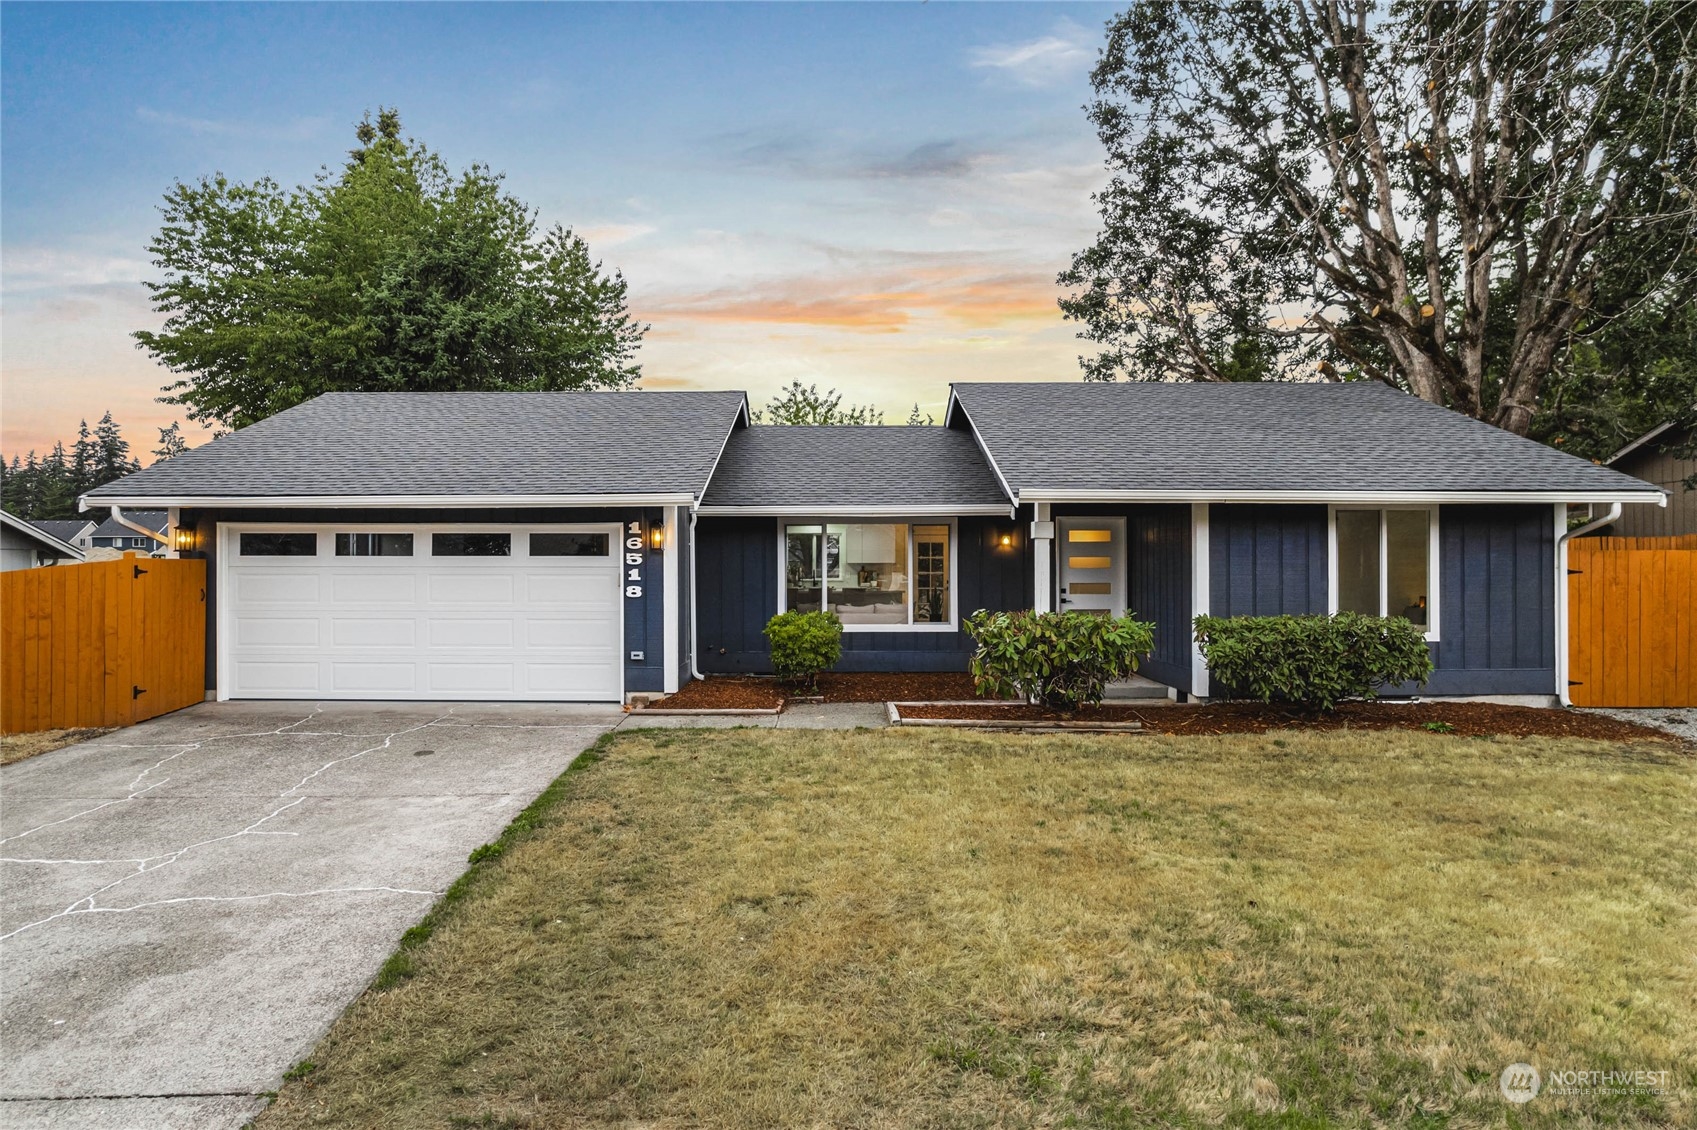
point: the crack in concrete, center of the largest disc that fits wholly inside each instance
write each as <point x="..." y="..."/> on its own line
<point x="87" y="905"/>
<point x="135" y="782"/>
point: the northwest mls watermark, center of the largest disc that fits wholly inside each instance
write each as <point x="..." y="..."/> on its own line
<point x="1521" y="1083"/>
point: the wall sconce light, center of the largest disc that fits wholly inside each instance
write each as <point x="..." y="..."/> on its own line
<point x="657" y="536"/>
<point x="1005" y="540"/>
<point x="185" y="539"/>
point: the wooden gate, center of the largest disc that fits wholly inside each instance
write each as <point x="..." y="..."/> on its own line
<point x="106" y="643"/>
<point x="1632" y="621"/>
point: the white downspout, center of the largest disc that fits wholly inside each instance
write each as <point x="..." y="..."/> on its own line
<point x="118" y="517"/>
<point x="1562" y="539"/>
<point x="694" y="648"/>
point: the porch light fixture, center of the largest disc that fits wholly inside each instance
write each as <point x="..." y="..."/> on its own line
<point x="657" y="536"/>
<point x="185" y="538"/>
<point x="1005" y="540"/>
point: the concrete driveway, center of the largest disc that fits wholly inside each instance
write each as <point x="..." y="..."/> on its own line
<point x="186" y="905"/>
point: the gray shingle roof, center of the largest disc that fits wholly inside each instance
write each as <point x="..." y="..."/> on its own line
<point x="1309" y="437"/>
<point x="801" y="468"/>
<point x="152" y="519"/>
<point x="62" y="528"/>
<point x="405" y="444"/>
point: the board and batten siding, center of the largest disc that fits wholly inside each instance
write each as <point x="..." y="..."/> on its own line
<point x="1266" y="560"/>
<point x="1496" y="582"/>
<point x="737" y="590"/>
<point x="1497" y="608"/>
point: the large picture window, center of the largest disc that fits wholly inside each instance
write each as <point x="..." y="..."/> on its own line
<point x="1385" y="565"/>
<point x="871" y="574"/>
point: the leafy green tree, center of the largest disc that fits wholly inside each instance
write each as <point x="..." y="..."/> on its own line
<point x="805" y="404"/>
<point x="391" y="273"/>
<point x="916" y="419"/>
<point x="1441" y="196"/>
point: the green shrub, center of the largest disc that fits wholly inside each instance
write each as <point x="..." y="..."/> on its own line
<point x="1311" y="661"/>
<point x="804" y="644"/>
<point x="1063" y="660"/>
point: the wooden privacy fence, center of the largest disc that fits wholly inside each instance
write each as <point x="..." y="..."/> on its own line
<point x="105" y="643"/>
<point x="1632" y="621"/>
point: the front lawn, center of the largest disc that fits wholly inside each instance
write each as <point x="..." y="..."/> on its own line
<point x="758" y="928"/>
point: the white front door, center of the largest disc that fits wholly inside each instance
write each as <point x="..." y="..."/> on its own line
<point x="1092" y="552"/>
<point x="380" y="611"/>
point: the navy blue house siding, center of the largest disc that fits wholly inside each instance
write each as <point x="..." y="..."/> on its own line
<point x="645" y="618"/>
<point x="737" y="562"/>
<point x="1266" y="560"/>
<point x="736" y="592"/>
<point x="1158" y="587"/>
<point x="1496" y="615"/>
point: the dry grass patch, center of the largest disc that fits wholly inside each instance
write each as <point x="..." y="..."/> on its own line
<point x="754" y="928"/>
<point x="16" y="747"/>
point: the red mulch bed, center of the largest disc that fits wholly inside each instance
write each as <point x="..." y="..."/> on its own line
<point x="748" y="692"/>
<point x="1467" y="719"/>
<point x="728" y="693"/>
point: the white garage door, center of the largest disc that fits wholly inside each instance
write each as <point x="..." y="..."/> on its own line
<point x="421" y="612"/>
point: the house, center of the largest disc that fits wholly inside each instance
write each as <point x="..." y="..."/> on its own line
<point x="591" y="546"/>
<point x="25" y="545"/>
<point x="1652" y="457"/>
<point x="114" y="535"/>
<point x="71" y="531"/>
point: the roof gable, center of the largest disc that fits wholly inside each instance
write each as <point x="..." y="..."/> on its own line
<point x="842" y="469"/>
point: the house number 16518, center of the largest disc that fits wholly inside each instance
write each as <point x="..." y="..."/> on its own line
<point x="633" y="559"/>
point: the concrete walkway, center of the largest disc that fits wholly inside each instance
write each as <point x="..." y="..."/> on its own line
<point x="189" y="903"/>
<point x="803" y="716"/>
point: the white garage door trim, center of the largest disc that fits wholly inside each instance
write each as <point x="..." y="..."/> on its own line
<point x="423" y="563"/>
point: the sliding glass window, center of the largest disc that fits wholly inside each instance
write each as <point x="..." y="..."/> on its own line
<point x="1385" y="564"/>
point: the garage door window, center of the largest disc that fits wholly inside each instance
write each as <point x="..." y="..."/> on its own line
<point x="471" y="545"/>
<point x="373" y="545"/>
<point x="279" y="545"/>
<point x="568" y="545"/>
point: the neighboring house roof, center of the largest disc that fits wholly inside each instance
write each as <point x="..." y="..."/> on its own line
<point x="1265" y="441"/>
<point x="463" y="448"/>
<point x="849" y="470"/>
<point x="65" y="529"/>
<point x="1651" y="436"/>
<point x="39" y="536"/>
<point x="156" y="520"/>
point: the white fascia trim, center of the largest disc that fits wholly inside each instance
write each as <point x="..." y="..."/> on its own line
<point x="1384" y="498"/>
<point x="398" y="501"/>
<point x="57" y="545"/>
<point x="740" y="418"/>
<point x="956" y="402"/>
<point x="854" y="511"/>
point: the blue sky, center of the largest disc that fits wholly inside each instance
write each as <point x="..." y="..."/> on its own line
<point x="875" y="197"/>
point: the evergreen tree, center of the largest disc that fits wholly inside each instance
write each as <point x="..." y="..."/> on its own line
<point x="171" y="442"/>
<point x="112" y="454"/>
<point x="83" y="457"/>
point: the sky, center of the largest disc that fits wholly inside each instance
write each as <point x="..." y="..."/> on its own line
<point x="875" y="198"/>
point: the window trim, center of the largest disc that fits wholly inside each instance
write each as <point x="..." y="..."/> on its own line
<point x="953" y="622"/>
<point x="1432" y="556"/>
